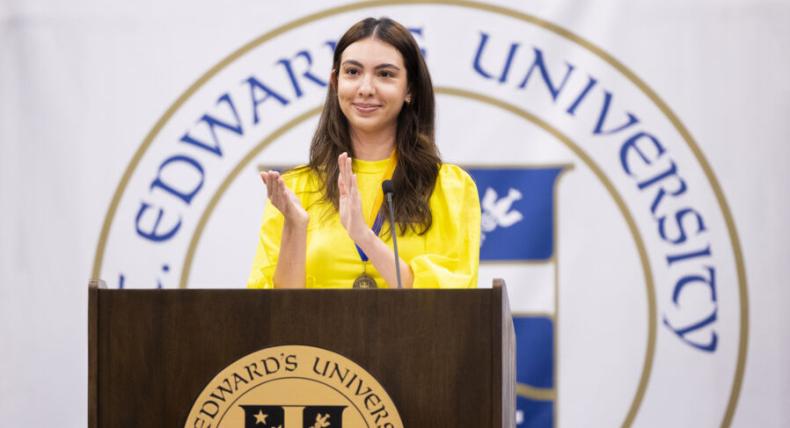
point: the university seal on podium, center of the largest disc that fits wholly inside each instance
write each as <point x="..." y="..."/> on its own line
<point x="293" y="386"/>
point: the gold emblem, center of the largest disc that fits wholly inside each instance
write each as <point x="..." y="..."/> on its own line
<point x="293" y="385"/>
<point x="365" y="281"/>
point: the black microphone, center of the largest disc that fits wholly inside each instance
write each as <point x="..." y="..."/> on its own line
<point x="388" y="190"/>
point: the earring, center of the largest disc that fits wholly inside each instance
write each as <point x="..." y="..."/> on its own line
<point x="407" y="100"/>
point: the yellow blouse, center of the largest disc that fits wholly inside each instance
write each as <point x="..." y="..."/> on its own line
<point x="447" y="256"/>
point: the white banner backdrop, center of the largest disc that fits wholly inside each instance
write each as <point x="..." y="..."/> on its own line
<point x="131" y="136"/>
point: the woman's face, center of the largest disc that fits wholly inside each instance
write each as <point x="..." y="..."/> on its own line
<point x="371" y="85"/>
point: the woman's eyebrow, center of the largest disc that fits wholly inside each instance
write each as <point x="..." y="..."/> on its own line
<point x="352" y="62"/>
<point x="380" y="66"/>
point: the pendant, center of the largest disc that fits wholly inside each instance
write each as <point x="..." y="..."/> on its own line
<point x="365" y="281"/>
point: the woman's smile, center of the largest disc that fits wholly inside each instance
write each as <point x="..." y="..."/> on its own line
<point x="366" y="108"/>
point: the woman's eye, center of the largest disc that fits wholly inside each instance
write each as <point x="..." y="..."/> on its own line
<point x="352" y="71"/>
<point x="386" y="74"/>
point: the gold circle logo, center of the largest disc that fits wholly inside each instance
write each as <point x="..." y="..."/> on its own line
<point x="293" y="385"/>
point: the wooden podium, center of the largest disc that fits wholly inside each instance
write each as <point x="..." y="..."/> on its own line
<point x="446" y="357"/>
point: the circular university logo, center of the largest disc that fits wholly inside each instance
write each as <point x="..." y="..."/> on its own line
<point x="621" y="257"/>
<point x="293" y="386"/>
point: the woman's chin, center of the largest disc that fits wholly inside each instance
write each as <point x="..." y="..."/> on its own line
<point x="368" y="124"/>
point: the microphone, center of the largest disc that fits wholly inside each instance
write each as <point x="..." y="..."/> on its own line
<point x="388" y="189"/>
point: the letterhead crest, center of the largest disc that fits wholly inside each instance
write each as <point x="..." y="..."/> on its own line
<point x="293" y="386"/>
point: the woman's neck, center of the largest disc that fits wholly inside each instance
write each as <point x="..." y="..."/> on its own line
<point x="373" y="146"/>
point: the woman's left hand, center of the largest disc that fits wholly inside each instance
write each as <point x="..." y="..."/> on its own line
<point x="350" y="204"/>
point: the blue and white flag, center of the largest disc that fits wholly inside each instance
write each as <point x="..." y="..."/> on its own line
<point x="517" y="243"/>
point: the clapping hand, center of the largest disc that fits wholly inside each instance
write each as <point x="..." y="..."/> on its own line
<point x="284" y="199"/>
<point x="350" y="204"/>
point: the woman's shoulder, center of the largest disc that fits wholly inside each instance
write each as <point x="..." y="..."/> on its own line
<point x="453" y="179"/>
<point x="451" y="173"/>
<point x="301" y="178"/>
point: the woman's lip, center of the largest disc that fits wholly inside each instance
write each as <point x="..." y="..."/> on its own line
<point x="365" y="107"/>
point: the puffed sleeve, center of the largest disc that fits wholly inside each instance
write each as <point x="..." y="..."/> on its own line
<point x="268" y="251"/>
<point x="452" y="254"/>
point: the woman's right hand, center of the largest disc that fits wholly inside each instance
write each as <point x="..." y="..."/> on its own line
<point x="284" y="199"/>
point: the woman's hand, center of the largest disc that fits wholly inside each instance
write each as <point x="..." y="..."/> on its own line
<point x="382" y="257"/>
<point x="284" y="199"/>
<point x="290" y="270"/>
<point x="350" y="204"/>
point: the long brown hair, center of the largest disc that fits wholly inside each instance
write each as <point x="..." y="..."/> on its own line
<point x="418" y="157"/>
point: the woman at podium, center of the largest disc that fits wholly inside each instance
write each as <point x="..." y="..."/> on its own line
<point x="325" y="223"/>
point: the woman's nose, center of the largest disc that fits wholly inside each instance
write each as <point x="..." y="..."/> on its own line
<point x="366" y="86"/>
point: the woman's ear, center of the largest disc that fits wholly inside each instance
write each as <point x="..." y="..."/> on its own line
<point x="333" y="79"/>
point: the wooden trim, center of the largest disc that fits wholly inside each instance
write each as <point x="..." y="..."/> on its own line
<point x="504" y="356"/>
<point x="93" y="329"/>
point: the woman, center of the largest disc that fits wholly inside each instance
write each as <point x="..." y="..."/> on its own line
<point x="322" y="226"/>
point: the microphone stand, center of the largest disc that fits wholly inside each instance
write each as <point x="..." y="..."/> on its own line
<point x="388" y="190"/>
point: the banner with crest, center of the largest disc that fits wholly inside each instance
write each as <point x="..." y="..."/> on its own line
<point x="629" y="159"/>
